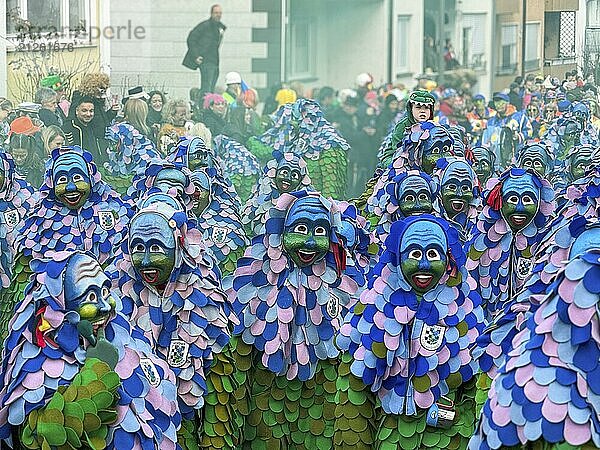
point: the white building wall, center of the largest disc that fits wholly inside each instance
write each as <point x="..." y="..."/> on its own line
<point x="155" y="61"/>
<point x="580" y="26"/>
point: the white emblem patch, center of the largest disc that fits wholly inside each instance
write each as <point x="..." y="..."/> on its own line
<point x="150" y="371"/>
<point x="334" y="308"/>
<point x="178" y="353"/>
<point x="524" y="266"/>
<point x="107" y="220"/>
<point x="219" y="235"/>
<point x="432" y="337"/>
<point x="12" y="218"/>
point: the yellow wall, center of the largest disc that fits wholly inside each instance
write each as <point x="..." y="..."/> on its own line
<point x="26" y="68"/>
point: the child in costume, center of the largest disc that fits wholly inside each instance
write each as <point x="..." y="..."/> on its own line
<point x="75" y="373"/>
<point x="424" y="143"/>
<point x="517" y="206"/>
<point x="127" y="156"/>
<point x="406" y="378"/>
<point x="285" y="173"/>
<point x="302" y="129"/>
<point x="546" y="393"/>
<point x="172" y="292"/>
<point x="240" y="166"/>
<point x="290" y="291"/>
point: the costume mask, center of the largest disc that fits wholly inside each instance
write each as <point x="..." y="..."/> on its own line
<point x="201" y="197"/>
<point x="306" y="232"/>
<point x="71" y="179"/>
<point x="438" y="145"/>
<point x="87" y="290"/>
<point x="170" y="178"/>
<point x="198" y="155"/>
<point x="457" y="188"/>
<point x="415" y="196"/>
<point x="287" y="177"/>
<point x="520" y="201"/>
<point x="534" y="157"/>
<point x="484" y="164"/>
<point x="580" y="161"/>
<point x="2" y="179"/>
<point x="152" y="248"/>
<point x="422" y="254"/>
<point x="160" y="197"/>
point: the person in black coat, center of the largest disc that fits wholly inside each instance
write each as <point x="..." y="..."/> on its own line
<point x="203" y="49"/>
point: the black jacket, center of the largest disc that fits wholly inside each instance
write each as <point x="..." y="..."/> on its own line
<point x="77" y="133"/>
<point x="204" y="40"/>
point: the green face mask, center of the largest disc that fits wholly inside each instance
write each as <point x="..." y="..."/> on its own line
<point x="520" y="201"/>
<point x="152" y="248"/>
<point x="414" y="196"/>
<point x="307" y="229"/>
<point x="170" y="178"/>
<point x="71" y="180"/>
<point x="457" y="195"/>
<point x="423" y="259"/>
<point x="287" y="179"/>
<point x="441" y="148"/>
<point x="536" y="163"/>
<point x="483" y="169"/>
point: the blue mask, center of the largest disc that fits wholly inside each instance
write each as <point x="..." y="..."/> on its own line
<point x="422" y="252"/>
<point x="71" y="180"/>
<point x="307" y="230"/>
<point x="520" y="201"/>
<point x="457" y="188"/>
<point x="414" y="196"/>
<point x="152" y="248"/>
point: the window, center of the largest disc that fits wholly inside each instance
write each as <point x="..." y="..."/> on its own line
<point x="593" y="13"/>
<point x="566" y="46"/>
<point x="559" y="44"/>
<point x="508" y="49"/>
<point x="402" y="44"/>
<point x="532" y="41"/>
<point x="474" y="41"/>
<point x="31" y="18"/>
<point x="302" y="52"/>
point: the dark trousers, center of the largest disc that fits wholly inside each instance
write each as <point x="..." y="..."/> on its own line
<point x="209" y="72"/>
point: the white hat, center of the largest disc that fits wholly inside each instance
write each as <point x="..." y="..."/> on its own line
<point x="363" y="79"/>
<point x="233" y="78"/>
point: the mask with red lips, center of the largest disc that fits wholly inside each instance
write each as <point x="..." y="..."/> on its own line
<point x="520" y="201"/>
<point x="152" y="248"/>
<point x="422" y="252"/>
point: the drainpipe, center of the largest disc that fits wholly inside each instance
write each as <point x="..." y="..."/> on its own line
<point x="494" y="52"/>
<point x="523" y="36"/>
<point x="284" y="39"/>
<point x="390" y="58"/>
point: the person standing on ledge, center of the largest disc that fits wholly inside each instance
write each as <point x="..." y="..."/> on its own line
<point x="203" y="49"/>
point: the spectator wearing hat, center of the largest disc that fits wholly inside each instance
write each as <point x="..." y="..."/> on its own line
<point x="49" y="112"/>
<point x="24" y="145"/>
<point x="506" y="116"/>
<point x="214" y="114"/>
<point x="233" y="81"/>
<point x="55" y="83"/>
<point x="79" y="128"/>
<point x="203" y="49"/>
<point x="515" y="97"/>
<point x="479" y="115"/>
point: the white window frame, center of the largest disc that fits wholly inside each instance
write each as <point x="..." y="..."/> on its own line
<point x="538" y="50"/>
<point x="401" y="40"/>
<point x="80" y="39"/>
<point x="310" y="43"/>
<point x="501" y="68"/>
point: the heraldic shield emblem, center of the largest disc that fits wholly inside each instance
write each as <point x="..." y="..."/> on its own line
<point x="11" y="218"/>
<point x="219" y="235"/>
<point x="432" y="336"/>
<point x="524" y="266"/>
<point x="107" y="220"/>
<point x="178" y="353"/>
<point x="150" y="371"/>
